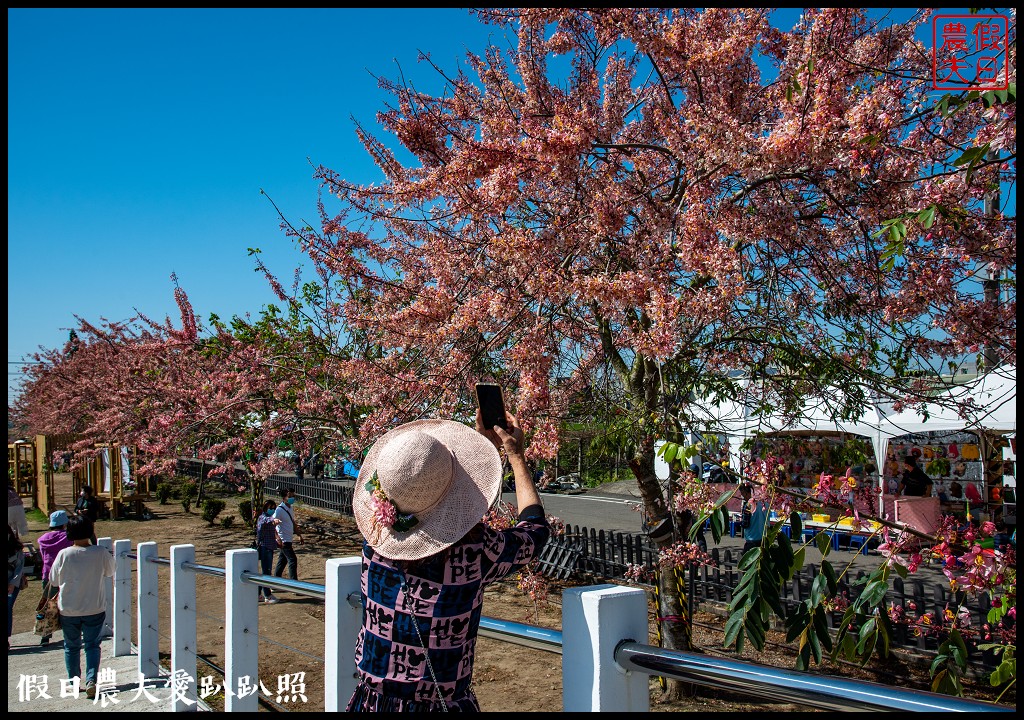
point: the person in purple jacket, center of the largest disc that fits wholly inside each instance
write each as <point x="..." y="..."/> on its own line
<point x="51" y="543"/>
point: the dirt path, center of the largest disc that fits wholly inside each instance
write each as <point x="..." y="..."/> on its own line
<point x="292" y="634"/>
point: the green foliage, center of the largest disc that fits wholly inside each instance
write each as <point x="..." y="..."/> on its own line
<point x="186" y="504"/>
<point x="164" y="492"/>
<point x="227" y="521"/>
<point x="211" y="508"/>
<point x="865" y="627"/>
<point x="1006" y="672"/>
<point x="188" y="490"/>
<point x="949" y="665"/>
<point x="758" y="595"/>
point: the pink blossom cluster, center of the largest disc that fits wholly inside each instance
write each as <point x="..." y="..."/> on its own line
<point x="683" y="553"/>
<point x="639" y="573"/>
<point x="692" y="494"/>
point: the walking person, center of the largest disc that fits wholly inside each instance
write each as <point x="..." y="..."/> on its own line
<point x="266" y="543"/>
<point x="287" y="533"/>
<point x="87" y="505"/>
<point x="753" y="518"/>
<point x="50" y="544"/>
<point x="422" y="493"/>
<point x="16" y="519"/>
<point x="16" y="578"/>
<point x="78" y="574"/>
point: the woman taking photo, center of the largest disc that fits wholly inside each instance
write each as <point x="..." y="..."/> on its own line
<point x="419" y="501"/>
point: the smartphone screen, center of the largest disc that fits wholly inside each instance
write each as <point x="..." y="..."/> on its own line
<point x="492" y="405"/>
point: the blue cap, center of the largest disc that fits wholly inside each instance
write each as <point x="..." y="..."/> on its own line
<point x="58" y="518"/>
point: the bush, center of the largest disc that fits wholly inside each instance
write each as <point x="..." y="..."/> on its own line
<point x="164" y="491"/>
<point x="245" y="510"/>
<point x="211" y="509"/>
<point x="227" y="521"/>
<point x="186" y="504"/>
<point x="188" y="490"/>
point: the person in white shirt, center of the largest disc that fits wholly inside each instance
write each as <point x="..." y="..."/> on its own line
<point x="16" y="511"/>
<point x="78" y="573"/>
<point x="286" y="534"/>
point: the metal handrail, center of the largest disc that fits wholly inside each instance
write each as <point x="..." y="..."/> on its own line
<point x="827" y="692"/>
<point x="530" y="636"/>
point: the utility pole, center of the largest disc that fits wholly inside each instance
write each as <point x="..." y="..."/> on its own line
<point x="992" y="276"/>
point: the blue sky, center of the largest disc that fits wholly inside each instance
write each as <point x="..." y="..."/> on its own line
<point x="139" y="141"/>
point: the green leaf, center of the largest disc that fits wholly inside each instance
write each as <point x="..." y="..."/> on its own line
<point x="830" y="576"/>
<point x="717" y="526"/>
<point x="821" y="629"/>
<point x="824" y="543"/>
<point x="927" y="217"/>
<point x="959" y="645"/>
<point x="733" y="626"/>
<point x="874" y="592"/>
<point x="812" y="640"/>
<point x="849" y="647"/>
<point x="795" y="524"/>
<point x="670" y="452"/>
<point x="969" y="156"/>
<point x="798" y="559"/>
<point x="754" y="630"/>
<point x="867" y="632"/>
<point x="803" y="660"/>
<point x="818" y="587"/>
<point x="750" y="558"/>
<point x="725" y="497"/>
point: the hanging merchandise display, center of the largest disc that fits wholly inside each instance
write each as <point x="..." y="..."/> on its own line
<point x="952" y="459"/>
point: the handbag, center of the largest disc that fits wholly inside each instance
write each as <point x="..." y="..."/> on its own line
<point x="48" y="618"/>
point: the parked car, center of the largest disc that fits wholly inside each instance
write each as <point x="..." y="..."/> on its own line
<point x="569" y="483"/>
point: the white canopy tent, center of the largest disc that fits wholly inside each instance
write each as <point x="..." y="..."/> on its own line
<point x="988" y="403"/>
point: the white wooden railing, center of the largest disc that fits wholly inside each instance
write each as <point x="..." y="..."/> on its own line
<point x="606" y="662"/>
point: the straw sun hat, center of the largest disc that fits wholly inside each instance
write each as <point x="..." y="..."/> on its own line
<point x="444" y="474"/>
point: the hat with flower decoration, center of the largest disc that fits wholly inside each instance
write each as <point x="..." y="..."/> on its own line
<point x="423" y="486"/>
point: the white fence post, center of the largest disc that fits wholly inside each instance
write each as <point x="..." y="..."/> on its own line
<point x="122" y="598"/>
<point x="341" y="625"/>
<point x="594" y="621"/>
<point x="108" y="592"/>
<point x="183" y="628"/>
<point x="241" y="644"/>
<point x="149" y="608"/>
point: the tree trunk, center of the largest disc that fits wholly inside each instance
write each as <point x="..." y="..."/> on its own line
<point x="675" y="630"/>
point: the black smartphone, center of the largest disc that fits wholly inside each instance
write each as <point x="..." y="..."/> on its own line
<point x="492" y="405"/>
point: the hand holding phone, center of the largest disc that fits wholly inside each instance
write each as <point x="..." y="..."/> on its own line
<point x="492" y="405"/>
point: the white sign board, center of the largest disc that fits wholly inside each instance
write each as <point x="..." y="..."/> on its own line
<point x="660" y="466"/>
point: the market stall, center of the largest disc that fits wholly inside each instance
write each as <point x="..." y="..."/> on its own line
<point x="963" y="439"/>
